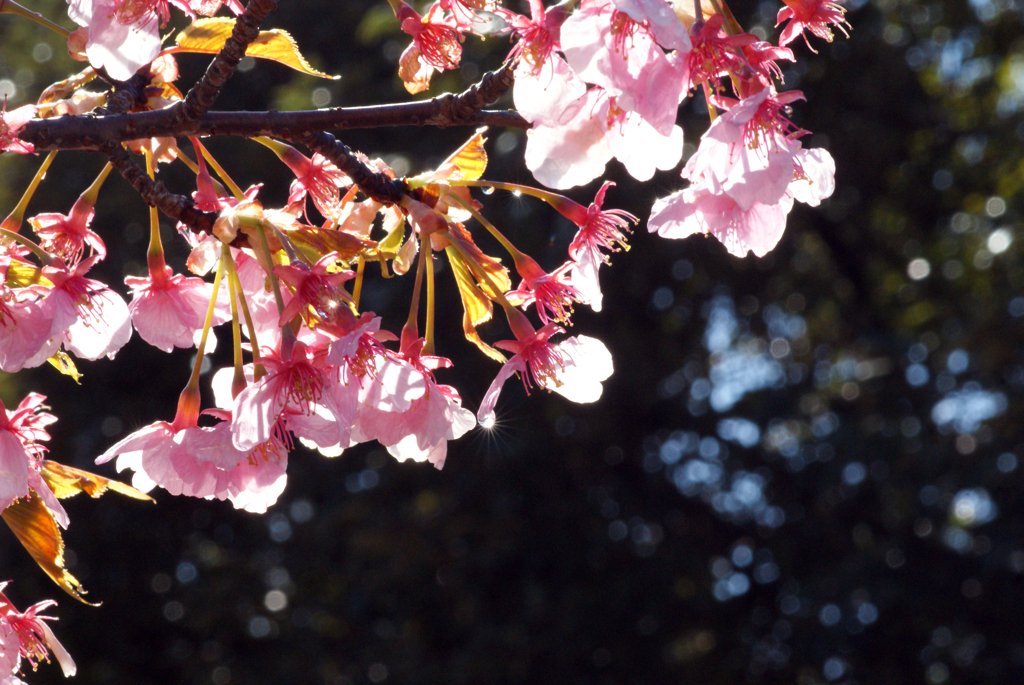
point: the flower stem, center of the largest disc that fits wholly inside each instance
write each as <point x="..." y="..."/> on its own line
<point x="232" y="186"/>
<point x="509" y="247"/>
<point x="11" y="7"/>
<point x="43" y="255"/>
<point x="238" y="379"/>
<point x="14" y="220"/>
<point x="428" y="347"/>
<point x="155" y="255"/>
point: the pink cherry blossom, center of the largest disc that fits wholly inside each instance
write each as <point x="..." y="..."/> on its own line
<point x="553" y="293"/>
<point x="10" y="123"/>
<point x="698" y="210"/>
<point x="574" y="368"/>
<point x="748" y="152"/>
<point x="319" y="296"/>
<point x="421" y="432"/>
<point x="25" y="635"/>
<point x="201" y="462"/>
<point x="714" y="53"/>
<point x="168" y="312"/>
<point x="120" y="48"/>
<point x="815" y="16"/>
<point x="599" y="229"/>
<point x="21" y="431"/>
<point x="538" y="36"/>
<point x="606" y="48"/>
<point x="67" y="235"/>
<point x="436" y="45"/>
<point x="301" y="385"/>
<point x="24" y="330"/>
<point x="101" y="325"/>
<point x="660" y="19"/>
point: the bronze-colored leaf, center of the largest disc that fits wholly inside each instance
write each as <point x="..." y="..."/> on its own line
<point x="67" y="481"/>
<point x="35" y="528"/>
<point x="477" y="306"/>
<point x="316" y="242"/>
<point x="66" y="365"/>
<point x="22" y="275"/>
<point x="207" y="36"/>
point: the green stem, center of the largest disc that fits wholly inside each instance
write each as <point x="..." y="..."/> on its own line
<point x="236" y="283"/>
<point x="11" y="7"/>
<point x="155" y="255"/>
<point x="14" y="220"/>
<point x="238" y="379"/>
<point x="232" y="186"/>
<point x="516" y="254"/>
<point x="425" y="248"/>
<point x="44" y="256"/>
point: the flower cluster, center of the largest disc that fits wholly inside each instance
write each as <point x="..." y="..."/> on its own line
<point x="595" y="80"/>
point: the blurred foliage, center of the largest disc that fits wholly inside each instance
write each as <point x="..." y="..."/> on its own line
<point x="805" y="469"/>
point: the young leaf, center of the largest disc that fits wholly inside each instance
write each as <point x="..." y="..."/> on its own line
<point x="477" y="306"/>
<point x="35" y="528"/>
<point x="207" y="36"/>
<point x="67" y="481"/>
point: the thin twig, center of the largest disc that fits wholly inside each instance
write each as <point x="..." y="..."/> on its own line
<point x="204" y="93"/>
<point x="154" y="194"/>
<point x="373" y="184"/>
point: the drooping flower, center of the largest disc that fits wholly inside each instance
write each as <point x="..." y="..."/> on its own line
<point x="119" y="47"/>
<point x="201" y="462"/>
<point x="25" y="635"/>
<point x="101" y="320"/>
<point x="436" y="46"/>
<point x="21" y="431"/>
<point x="816" y="16"/>
<point x="10" y="123"/>
<point x="748" y="152"/>
<point x="699" y="210"/>
<point x="318" y="294"/>
<point x="24" y="331"/>
<point x="600" y="229"/>
<point x="574" y="368"/>
<point x="67" y="235"/>
<point x="168" y="312"/>
<point x="538" y="35"/>
<point x="553" y="292"/>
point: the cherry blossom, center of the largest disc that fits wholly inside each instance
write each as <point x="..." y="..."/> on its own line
<point x="119" y="46"/>
<point x="10" y="123"/>
<point x="25" y="635"/>
<point x="21" y="431"/>
<point x="815" y="16"/>
<point x="574" y="368"/>
<point x="599" y="229"/>
<point x="101" y="319"/>
<point x="170" y="309"/>
<point x="67" y="235"/>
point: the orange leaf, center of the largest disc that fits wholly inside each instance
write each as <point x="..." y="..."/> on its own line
<point x="35" y="528"/>
<point x="67" y="481"/>
<point x="477" y="306"/>
<point x="207" y="36"/>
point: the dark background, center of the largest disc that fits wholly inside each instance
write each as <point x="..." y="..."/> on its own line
<point x="804" y="470"/>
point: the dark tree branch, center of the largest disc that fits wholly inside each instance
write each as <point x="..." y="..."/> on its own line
<point x="90" y="132"/>
<point x="372" y="183"/>
<point x="127" y="95"/>
<point x="204" y="93"/>
<point x="178" y="207"/>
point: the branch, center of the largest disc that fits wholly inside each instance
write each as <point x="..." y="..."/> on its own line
<point x="203" y="94"/>
<point x="90" y="132"/>
<point x="178" y="207"/>
<point x="373" y="184"/>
